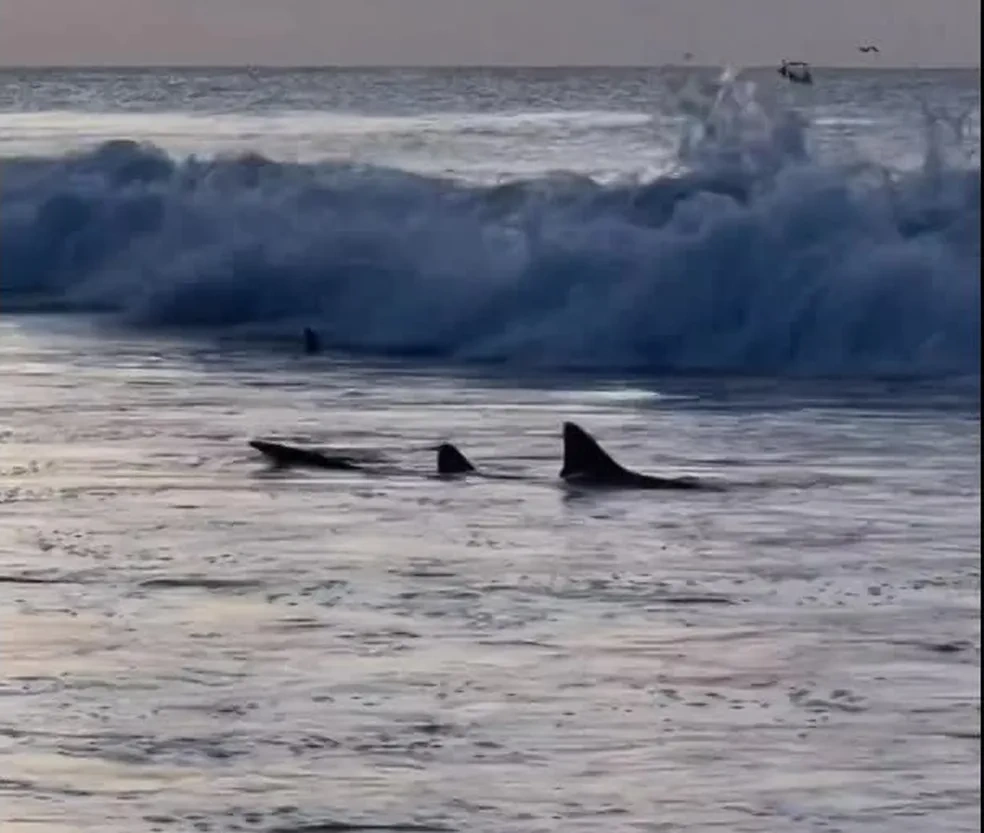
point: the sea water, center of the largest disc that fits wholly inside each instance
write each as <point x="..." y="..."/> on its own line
<point x="774" y="287"/>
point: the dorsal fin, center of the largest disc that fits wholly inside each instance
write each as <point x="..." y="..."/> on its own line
<point x="583" y="456"/>
<point x="312" y="344"/>
<point x="452" y="461"/>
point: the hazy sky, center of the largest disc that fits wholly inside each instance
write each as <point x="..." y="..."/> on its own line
<point x="313" y="32"/>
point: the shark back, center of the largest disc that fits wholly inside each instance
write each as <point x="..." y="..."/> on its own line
<point x="587" y="463"/>
<point x="288" y="455"/>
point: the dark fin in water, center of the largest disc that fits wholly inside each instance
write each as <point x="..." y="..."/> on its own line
<point x="452" y="461"/>
<point x="312" y="344"/>
<point x="288" y="455"/>
<point x="586" y="463"/>
<point x="583" y="456"/>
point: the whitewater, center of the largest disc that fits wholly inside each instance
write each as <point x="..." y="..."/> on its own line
<point x="772" y="286"/>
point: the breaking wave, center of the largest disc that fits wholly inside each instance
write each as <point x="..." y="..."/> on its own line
<point x="752" y="257"/>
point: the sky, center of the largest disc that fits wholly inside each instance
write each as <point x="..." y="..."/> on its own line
<point x="487" y="32"/>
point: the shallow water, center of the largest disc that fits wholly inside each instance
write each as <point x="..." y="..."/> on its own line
<point x="191" y="642"/>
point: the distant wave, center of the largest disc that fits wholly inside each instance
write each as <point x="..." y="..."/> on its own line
<point x="753" y="258"/>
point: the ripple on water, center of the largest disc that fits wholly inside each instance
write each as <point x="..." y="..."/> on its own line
<point x="190" y="646"/>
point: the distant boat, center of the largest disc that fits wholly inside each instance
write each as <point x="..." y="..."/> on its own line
<point x="798" y="72"/>
<point x="869" y="47"/>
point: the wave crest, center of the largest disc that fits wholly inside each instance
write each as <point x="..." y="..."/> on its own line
<point x="754" y="257"/>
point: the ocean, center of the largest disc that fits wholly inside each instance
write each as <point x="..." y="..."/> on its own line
<point x="774" y="287"/>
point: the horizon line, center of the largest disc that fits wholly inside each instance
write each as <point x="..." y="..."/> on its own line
<point x="363" y="67"/>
